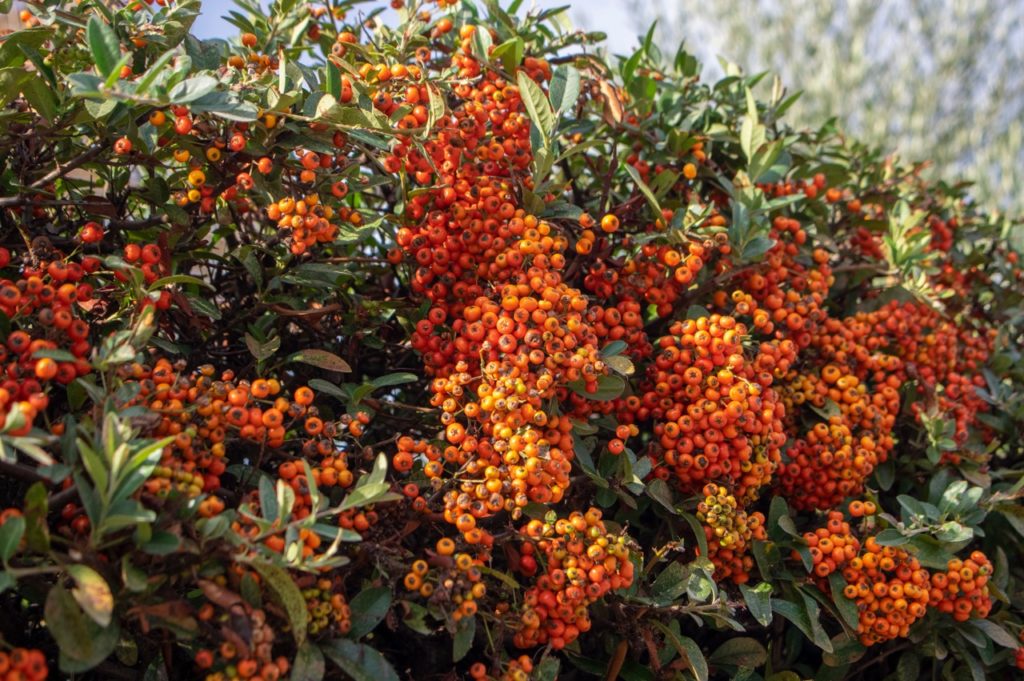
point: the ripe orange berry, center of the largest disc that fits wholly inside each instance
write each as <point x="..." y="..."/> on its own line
<point x="609" y="223"/>
<point x="46" y="369"/>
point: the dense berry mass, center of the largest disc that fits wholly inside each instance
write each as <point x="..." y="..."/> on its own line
<point x="432" y="344"/>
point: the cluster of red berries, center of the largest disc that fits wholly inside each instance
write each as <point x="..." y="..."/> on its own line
<point x="505" y="335"/>
<point x="962" y="590"/>
<point x="831" y="547"/>
<point x="943" y="357"/>
<point x="516" y="669"/>
<point x="308" y="220"/>
<point x="809" y="188"/>
<point x="716" y="416"/>
<point x="449" y="578"/>
<point x="855" y="392"/>
<point x="784" y="294"/>
<point x="43" y="305"/>
<point x="22" y="664"/>
<point x="582" y="562"/>
<point x="890" y="589"/>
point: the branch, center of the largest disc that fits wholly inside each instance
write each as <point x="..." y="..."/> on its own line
<point x="83" y="158"/>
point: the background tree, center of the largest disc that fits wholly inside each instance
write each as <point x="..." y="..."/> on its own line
<point x="939" y="79"/>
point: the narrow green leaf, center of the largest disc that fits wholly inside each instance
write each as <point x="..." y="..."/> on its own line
<point x="103" y="43"/>
<point x="758" y="600"/>
<point x="564" y="88"/>
<point x="688" y="649"/>
<point x="463" y="639"/>
<point x="287" y="595"/>
<point x="359" y="661"/>
<point x="11" y="533"/>
<point x="368" y="610"/>
<point x="309" y="664"/>
<point x="321" y="359"/>
<point x="537" y="105"/>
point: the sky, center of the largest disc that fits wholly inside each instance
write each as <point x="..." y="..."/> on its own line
<point x="609" y="16"/>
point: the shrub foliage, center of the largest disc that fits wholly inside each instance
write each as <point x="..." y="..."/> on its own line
<point x="444" y="347"/>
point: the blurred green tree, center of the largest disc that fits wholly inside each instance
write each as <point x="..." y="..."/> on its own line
<point x="937" y="79"/>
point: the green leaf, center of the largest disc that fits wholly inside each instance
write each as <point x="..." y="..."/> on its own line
<point x="398" y="378"/>
<point x="287" y="595"/>
<point x="262" y="350"/>
<point x="537" y="105"/>
<point x="891" y="537"/>
<point x="368" y="610"/>
<point x="805" y="616"/>
<point x="226" y="105"/>
<point x="659" y="490"/>
<point x="670" y="584"/>
<point x="482" y="44"/>
<point x="652" y="200"/>
<point x="548" y="668"/>
<point x="309" y="664"/>
<point x="758" y="600"/>
<point x="847" y="608"/>
<point x="779" y="521"/>
<point x="437" y="108"/>
<point x="510" y="53"/>
<point x="416" y="618"/>
<point x="92" y="593"/>
<point x="614" y="348"/>
<point x="359" y="661"/>
<point x="37" y="533"/>
<point x="463" y="640"/>
<point x="564" y="88"/>
<point x="997" y="633"/>
<point x="41" y="97"/>
<point x="83" y="643"/>
<point x="162" y="543"/>
<point x="608" y="388"/>
<point x="7" y="581"/>
<point x="740" y="652"/>
<point x="620" y="364"/>
<point x="688" y="649"/>
<point x="170" y="280"/>
<point x="321" y="359"/>
<point x="103" y="43"/>
<point x="885" y="474"/>
<point x="909" y="667"/>
<point x="11" y="533"/>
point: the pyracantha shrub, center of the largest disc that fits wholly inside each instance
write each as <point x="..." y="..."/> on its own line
<point x="442" y="347"/>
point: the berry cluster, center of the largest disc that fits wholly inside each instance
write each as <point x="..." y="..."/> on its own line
<point x="729" y="530"/>
<point x="516" y="669"/>
<point x="239" y="657"/>
<point x="831" y="547"/>
<point x="890" y="589"/>
<point x="582" y="562"/>
<point x="327" y="611"/>
<point x="450" y="577"/>
<point x="23" y="664"/>
<point x="49" y="340"/>
<point x="962" y="590"/>
<point x="716" y="416"/>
